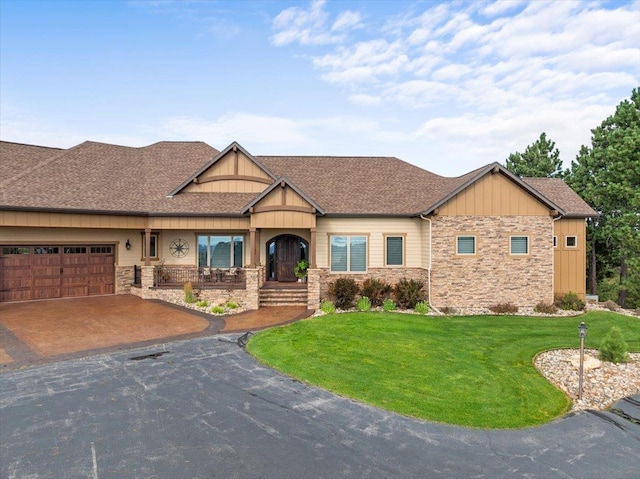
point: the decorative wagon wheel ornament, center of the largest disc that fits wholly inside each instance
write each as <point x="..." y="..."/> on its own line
<point x="179" y="248"/>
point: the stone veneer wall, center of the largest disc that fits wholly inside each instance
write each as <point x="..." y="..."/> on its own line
<point x="491" y="276"/>
<point x="388" y="275"/>
<point x="124" y="279"/>
<point x="247" y="297"/>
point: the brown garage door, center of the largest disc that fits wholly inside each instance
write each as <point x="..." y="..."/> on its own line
<point x="56" y="271"/>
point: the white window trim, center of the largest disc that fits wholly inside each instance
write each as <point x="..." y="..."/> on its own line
<point x="475" y="245"/>
<point x="528" y="245"/>
<point x="566" y="242"/>
<point x="231" y="237"/>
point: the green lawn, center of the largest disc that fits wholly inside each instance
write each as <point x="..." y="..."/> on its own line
<point x="473" y="371"/>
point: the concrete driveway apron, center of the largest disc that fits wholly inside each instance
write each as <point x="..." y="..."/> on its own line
<point x="203" y="408"/>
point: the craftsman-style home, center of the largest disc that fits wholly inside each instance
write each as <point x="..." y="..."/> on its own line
<point x="107" y="219"/>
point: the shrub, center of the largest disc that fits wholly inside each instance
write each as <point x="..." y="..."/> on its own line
<point x="202" y="304"/>
<point x="613" y="348"/>
<point x="376" y="290"/>
<point x="504" y="308"/>
<point x="188" y="293"/>
<point x="363" y="304"/>
<point x="408" y="293"/>
<point x="327" y="307"/>
<point x="232" y="305"/>
<point x="569" y="302"/>
<point x="388" y="305"/>
<point x="545" y="308"/>
<point x="217" y="309"/>
<point x="422" y="307"/>
<point x="343" y="291"/>
<point x="448" y="310"/>
<point x="611" y="305"/>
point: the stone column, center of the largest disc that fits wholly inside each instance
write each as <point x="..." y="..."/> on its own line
<point x="146" y="280"/>
<point x="313" y="289"/>
<point x="252" y="278"/>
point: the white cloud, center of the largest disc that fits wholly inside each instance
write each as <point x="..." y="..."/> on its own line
<point x="311" y="26"/>
<point x="347" y="20"/>
<point x="364" y="100"/>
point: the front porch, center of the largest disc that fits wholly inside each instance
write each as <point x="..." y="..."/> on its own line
<point x="247" y="286"/>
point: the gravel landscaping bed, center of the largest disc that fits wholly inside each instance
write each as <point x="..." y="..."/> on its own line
<point x="602" y="386"/>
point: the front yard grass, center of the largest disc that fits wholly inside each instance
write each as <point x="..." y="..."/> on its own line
<point x="472" y="371"/>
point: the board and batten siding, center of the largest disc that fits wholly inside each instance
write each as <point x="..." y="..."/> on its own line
<point x="414" y="230"/>
<point x="232" y="164"/>
<point x="493" y="195"/>
<point x="570" y="262"/>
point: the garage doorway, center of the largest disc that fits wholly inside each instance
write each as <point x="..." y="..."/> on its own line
<point x="29" y="272"/>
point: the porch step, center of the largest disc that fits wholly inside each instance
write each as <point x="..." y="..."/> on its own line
<point x="283" y="297"/>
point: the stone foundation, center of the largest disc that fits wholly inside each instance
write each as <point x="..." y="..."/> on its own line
<point x="124" y="279"/>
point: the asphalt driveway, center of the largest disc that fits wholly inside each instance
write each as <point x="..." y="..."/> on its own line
<point x="203" y="408"/>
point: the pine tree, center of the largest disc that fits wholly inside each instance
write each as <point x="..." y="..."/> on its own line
<point x="540" y="159"/>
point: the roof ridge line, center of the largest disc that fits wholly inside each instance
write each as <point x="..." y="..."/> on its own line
<point x="44" y="162"/>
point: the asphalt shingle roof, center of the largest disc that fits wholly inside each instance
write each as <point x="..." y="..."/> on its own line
<point x="100" y="177"/>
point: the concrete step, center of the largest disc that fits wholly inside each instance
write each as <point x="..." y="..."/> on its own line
<point x="283" y="297"/>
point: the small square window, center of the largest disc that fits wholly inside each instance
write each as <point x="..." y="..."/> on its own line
<point x="571" y="241"/>
<point x="519" y="245"/>
<point x="466" y="245"/>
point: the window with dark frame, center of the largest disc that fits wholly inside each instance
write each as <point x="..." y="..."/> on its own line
<point x="571" y="241"/>
<point x="519" y="245"/>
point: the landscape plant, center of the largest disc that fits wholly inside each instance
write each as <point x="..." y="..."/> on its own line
<point x="188" y="293"/>
<point x="409" y="292"/>
<point x="343" y="291"/>
<point x="422" y="307"/>
<point x="217" y="309"/>
<point x="376" y="290"/>
<point x="388" y="305"/>
<point x="363" y="304"/>
<point x="613" y="348"/>
<point x="202" y="304"/>
<point x="545" y="308"/>
<point x="327" y="306"/>
<point x="232" y="305"/>
<point x="504" y="308"/>
<point x="569" y="302"/>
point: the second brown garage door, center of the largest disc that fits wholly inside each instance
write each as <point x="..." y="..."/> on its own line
<point x="56" y="271"/>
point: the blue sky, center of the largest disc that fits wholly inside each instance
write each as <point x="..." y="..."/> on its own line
<point x="447" y="86"/>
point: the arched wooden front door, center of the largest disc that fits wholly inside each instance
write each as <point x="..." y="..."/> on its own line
<point x="284" y="253"/>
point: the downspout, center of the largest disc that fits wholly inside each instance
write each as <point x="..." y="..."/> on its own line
<point x="553" y="260"/>
<point x="429" y="269"/>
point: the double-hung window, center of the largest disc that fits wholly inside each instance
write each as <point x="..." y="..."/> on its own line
<point x="466" y="245"/>
<point x="394" y="250"/>
<point x="220" y="251"/>
<point x="348" y="254"/>
<point x="519" y="245"/>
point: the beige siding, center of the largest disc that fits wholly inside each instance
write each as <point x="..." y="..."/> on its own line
<point x="68" y="220"/>
<point x="493" y="195"/>
<point x="198" y="223"/>
<point x="570" y="263"/>
<point x="376" y="229"/>
<point x="283" y="219"/>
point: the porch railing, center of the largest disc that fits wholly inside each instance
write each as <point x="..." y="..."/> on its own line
<point x="137" y="275"/>
<point x="177" y="276"/>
